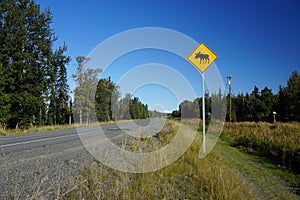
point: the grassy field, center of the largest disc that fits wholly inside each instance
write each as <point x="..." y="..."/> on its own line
<point x="187" y="178"/>
<point x="226" y="173"/>
<point x="279" y="142"/>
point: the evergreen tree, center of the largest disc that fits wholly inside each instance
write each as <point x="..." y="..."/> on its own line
<point x="289" y="99"/>
<point x="218" y="105"/>
<point x="137" y="109"/>
<point x="26" y="49"/>
<point x="176" y="114"/>
<point x="283" y="105"/>
<point x="29" y="65"/>
<point x="106" y="99"/>
<point x="255" y="104"/>
<point x="4" y="101"/>
<point x="239" y="107"/>
<point x="62" y="86"/>
<point x="59" y="110"/>
<point x="108" y="107"/>
<point x="267" y="104"/>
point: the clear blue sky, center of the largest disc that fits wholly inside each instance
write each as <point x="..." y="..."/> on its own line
<point x="256" y="41"/>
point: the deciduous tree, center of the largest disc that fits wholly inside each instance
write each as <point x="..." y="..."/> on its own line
<point x="86" y="80"/>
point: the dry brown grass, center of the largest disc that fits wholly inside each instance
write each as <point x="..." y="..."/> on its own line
<point x="278" y="141"/>
<point x="187" y="178"/>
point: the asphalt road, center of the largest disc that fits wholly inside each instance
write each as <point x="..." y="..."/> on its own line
<point x="45" y="164"/>
<point x="19" y="143"/>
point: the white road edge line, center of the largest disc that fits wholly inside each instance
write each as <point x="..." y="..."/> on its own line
<point x="33" y="141"/>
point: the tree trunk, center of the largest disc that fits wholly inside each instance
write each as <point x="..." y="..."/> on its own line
<point x="87" y="120"/>
<point x="80" y="116"/>
<point x="40" y="117"/>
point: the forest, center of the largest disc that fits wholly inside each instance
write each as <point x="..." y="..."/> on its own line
<point x="33" y="75"/>
<point x="109" y="106"/>
<point x="259" y="105"/>
<point x="34" y="89"/>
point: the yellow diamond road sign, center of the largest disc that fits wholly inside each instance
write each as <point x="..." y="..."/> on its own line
<point x="202" y="57"/>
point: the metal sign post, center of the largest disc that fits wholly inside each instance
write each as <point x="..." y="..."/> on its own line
<point x="203" y="116"/>
<point x="202" y="57"/>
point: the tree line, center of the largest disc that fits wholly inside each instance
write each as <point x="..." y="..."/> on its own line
<point x="259" y="105"/>
<point x="110" y="107"/>
<point x="215" y="107"/>
<point x="100" y="99"/>
<point x="33" y="76"/>
<point x="262" y="105"/>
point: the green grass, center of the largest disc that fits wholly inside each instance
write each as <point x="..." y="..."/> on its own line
<point x="288" y="175"/>
<point x="269" y="181"/>
<point x="280" y="142"/>
<point x="187" y="178"/>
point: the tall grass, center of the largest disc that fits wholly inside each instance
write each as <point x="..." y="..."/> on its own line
<point x="45" y="128"/>
<point x="279" y="142"/>
<point x="187" y="178"/>
<point x="35" y="129"/>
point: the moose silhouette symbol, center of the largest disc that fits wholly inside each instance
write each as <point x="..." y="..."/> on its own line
<point x="204" y="58"/>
